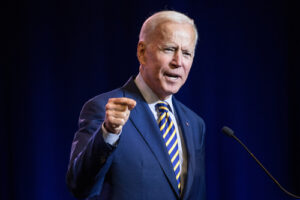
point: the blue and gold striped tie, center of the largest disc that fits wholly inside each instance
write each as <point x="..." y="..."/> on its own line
<point x="168" y="131"/>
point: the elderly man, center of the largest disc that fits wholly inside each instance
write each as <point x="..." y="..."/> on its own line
<point x="138" y="141"/>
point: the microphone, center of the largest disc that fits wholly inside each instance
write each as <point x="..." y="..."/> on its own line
<point x="229" y="132"/>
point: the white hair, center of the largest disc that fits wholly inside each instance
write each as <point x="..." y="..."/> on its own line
<point x="161" y="17"/>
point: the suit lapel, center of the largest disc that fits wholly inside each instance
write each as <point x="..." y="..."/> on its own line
<point x="144" y="121"/>
<point x="189" y="144"/>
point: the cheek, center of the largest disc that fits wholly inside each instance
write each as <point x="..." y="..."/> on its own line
<point x="154" y="72"/>
<point x="187" y="69"/>
<point x="163" y="60"/>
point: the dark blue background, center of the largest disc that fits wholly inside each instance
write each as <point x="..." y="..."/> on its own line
<point x="245" y="75"/>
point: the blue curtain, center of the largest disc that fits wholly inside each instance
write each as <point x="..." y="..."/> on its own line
<point x="245" y="75"/>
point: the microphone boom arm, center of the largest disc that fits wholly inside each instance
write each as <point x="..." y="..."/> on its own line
<point x="230" y="133"/>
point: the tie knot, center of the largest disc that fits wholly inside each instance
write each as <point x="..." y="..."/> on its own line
<point x="163" y="106"/>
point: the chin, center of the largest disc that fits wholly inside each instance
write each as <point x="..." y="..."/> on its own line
<point x="170" y="91"/>
<point x="167" y="89"/>
<point x="174" y="88"/>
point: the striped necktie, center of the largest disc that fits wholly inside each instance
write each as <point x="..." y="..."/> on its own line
<point x="168" y="131"/>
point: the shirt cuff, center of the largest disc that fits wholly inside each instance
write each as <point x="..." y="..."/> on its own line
<point x="110" y="138"/>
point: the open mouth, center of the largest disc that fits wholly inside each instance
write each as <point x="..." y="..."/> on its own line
<point x="172" y="76"/>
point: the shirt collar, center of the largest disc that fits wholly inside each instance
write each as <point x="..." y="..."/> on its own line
<point x="150" y="97"/>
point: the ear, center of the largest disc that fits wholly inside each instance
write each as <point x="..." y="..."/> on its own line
<point x="141" y="48"/>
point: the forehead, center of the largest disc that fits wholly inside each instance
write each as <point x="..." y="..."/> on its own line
<point x="175" y="32"/>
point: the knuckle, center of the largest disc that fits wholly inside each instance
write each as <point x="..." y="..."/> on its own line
<point x="123" y="121"/>
<point x="108" y="112"/>
<point x="111" y="99"/>
<point x="110" y="118"/>
<point x="107" y="106"/>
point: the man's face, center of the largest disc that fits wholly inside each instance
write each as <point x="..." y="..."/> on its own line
<point x="167" y="58"/>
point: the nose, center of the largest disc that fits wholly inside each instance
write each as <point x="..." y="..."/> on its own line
<point x="177" y="59"/>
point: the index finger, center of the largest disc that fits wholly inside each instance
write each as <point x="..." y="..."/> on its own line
<point x="124" y="101"/>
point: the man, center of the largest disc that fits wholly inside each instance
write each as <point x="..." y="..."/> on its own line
<point x="138" y="141"/>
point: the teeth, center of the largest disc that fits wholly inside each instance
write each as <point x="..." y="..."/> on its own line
<point x="172" y="76"/>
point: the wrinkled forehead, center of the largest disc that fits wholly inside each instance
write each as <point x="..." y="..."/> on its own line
<point x="171" y="30"/>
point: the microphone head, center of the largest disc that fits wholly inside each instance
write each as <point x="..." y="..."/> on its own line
<point x="228" y="131"/>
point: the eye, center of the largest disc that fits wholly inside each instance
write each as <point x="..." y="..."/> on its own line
<point x="187" y="54"/>
<point x="169" y="49"/>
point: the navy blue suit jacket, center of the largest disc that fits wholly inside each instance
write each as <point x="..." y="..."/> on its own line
<point x="139" y="166"/>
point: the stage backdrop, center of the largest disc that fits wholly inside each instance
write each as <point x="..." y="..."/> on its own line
<point x="245" y="75"/>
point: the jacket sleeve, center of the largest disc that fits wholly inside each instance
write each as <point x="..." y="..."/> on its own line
<point x="90" y="155"/>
